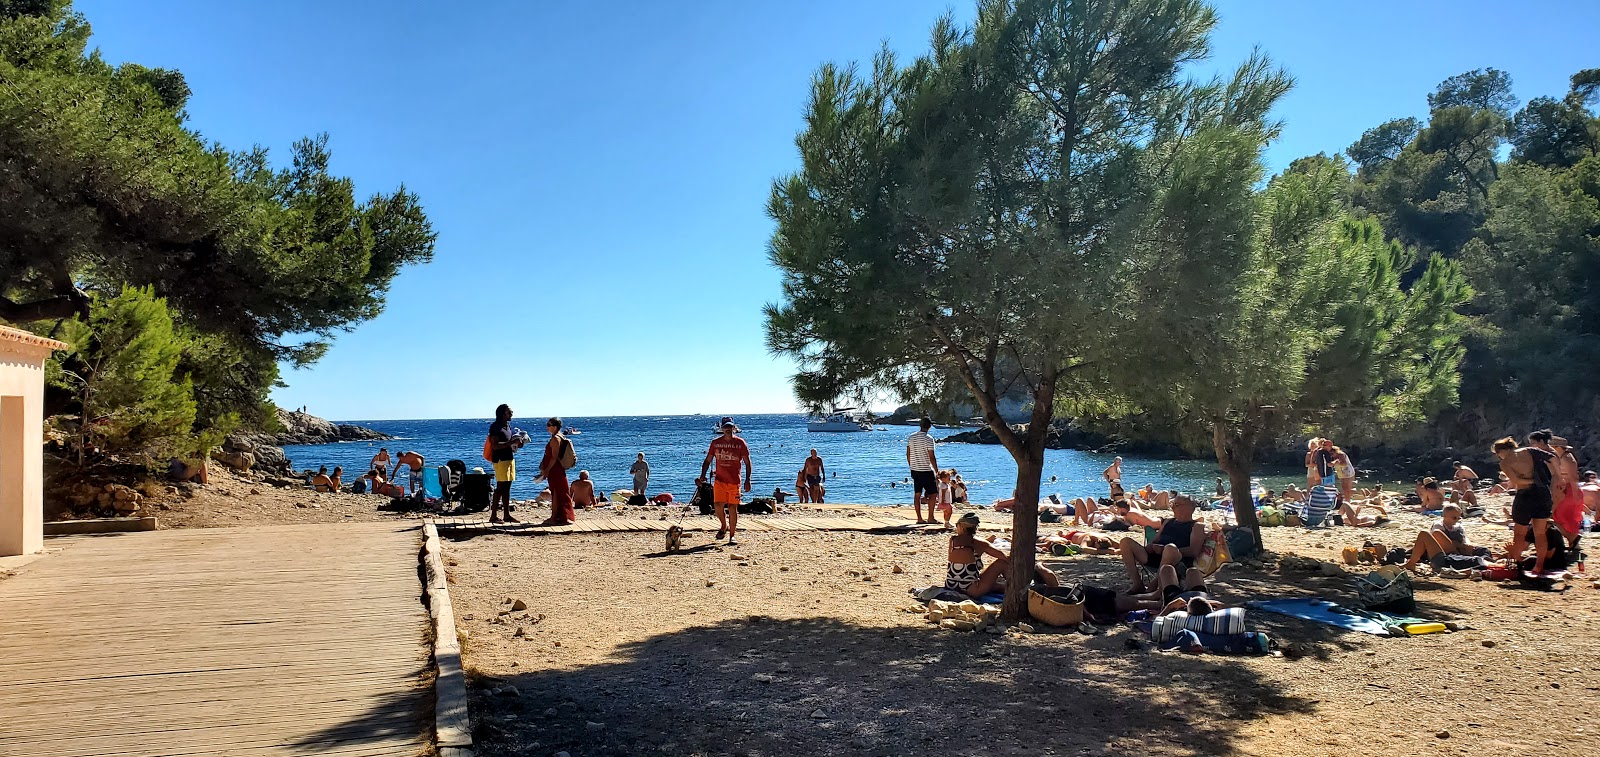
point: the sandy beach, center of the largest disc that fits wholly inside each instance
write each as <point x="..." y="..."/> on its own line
<point x="800" y="644"/>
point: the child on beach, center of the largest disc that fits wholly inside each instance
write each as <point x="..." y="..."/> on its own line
<point x="946" y="496"/>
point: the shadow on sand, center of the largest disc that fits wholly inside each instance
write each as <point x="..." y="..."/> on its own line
<point x="822" y="686"/>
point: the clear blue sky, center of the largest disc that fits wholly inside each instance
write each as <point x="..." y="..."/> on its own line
<point x="597" y="171"/>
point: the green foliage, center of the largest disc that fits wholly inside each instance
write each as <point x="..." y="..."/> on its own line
<point x="1480" y="89"/>
<point x="1022" y="206"/>
<point x="1535" y="265"/>
<point x="123" y="363"/>
<point x="105" y="187"/>
<point x="1381" y="144"/>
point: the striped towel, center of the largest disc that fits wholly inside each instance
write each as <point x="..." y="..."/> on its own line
<point x="1226" y="622"/>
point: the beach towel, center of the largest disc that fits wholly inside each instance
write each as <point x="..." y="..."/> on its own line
<point x="1321" y="611"/>
<point x="1322" y="500"/>
<point x="1252" y="642"/>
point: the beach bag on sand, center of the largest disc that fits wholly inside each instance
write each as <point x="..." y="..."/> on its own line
<point x="1056" y="606"/>
<point x="1213" y="553"/>
<point x="1387" y="589"/>
<point x="569" y="456"/>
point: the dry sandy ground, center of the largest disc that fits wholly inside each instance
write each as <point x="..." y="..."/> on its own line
<point x="803" y="647"/>
<point x="234" y="500"/>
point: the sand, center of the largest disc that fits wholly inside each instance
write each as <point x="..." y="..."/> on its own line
<point x="798" y="644"/>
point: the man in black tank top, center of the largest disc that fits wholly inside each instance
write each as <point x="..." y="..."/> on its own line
<point x="1178" y="541"/>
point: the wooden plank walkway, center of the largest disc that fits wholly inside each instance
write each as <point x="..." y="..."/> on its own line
<point x="654" y="521"/>
<point x="274" y="640"/>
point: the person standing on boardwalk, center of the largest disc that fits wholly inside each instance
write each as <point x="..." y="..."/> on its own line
<point x="413" y="459"/>
<point x="815" y="474"/>
<point x="641" y="475"/>
<point x="502" y="454"/>
<point x="730" y="453"/>
<point x="558" y="457"/>
<point x="924" y="467"/>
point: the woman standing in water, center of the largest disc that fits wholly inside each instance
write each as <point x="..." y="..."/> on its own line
<point x="641" y="475"/>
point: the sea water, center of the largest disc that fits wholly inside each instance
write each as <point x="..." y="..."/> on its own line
<point x="863" y="468"/>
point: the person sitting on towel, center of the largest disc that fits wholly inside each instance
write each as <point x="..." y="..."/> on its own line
<point x="1179" y="539"/>
<point x="966" y="572"/>
<point x="1447" y="537"/>
<point x="321" y="482"/>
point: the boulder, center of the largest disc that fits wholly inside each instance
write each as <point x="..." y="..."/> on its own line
<point x="239" y="461"/>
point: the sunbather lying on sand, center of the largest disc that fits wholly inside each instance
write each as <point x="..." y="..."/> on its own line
<point x="1096" y="542"/>
<point x="1108" y="606"/>
<point x="966" y="572"/>
<point x="1353" y="515"/>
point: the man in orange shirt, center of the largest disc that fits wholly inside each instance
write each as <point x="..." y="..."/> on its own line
<point x="730" y="453"/>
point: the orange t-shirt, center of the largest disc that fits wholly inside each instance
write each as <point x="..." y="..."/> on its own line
<point x="729" y="454"/>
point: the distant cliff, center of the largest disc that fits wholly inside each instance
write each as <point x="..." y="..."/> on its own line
<point x="305" y="428"/>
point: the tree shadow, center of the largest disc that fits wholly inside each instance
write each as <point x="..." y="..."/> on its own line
<point x="823" y="686"/>
<point x="395" y="718"/>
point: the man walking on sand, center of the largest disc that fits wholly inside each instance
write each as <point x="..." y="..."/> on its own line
<point x="502" y="454"/>
<point x="924" y="479"/>
<point x="815" y="474"/>
<point x="1528" y="471"/>
<point x="730" y="453"/>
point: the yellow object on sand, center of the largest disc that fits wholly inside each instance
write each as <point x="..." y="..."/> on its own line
<point x="1418" y="629"/>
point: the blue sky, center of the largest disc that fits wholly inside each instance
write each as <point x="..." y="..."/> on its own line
<point x="597" y="172"/>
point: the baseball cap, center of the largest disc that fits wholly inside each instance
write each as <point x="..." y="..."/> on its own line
<point x="726" y="422"/>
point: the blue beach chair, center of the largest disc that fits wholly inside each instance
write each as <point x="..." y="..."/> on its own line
<point x="1319" y="503"/>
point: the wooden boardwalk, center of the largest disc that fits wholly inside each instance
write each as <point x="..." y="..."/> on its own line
<point x="648" y="520"/>
<point x="277" y="640"/>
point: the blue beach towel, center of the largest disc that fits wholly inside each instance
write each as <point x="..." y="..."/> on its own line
<point x="1321" y="611"/>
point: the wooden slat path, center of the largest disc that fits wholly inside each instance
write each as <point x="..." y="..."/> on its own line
<point x="276" y="640"/>
<point x="653" y="521"/>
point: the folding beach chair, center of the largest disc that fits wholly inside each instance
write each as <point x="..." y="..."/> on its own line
<point x="1321" y="501"/>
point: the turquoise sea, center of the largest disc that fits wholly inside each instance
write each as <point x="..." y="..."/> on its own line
<point x="863" y="468"/>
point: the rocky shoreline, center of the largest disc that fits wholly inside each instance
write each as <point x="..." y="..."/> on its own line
<point x="264" y="452"/>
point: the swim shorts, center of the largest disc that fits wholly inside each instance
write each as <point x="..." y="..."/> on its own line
<point x="813" y="480"/>
<point x="925" y="482"/>
<point x="1331" y="481"/>
<point x="505" y="471"/>
<point x="725" y="494"/>
<point x="1531" y="503"/>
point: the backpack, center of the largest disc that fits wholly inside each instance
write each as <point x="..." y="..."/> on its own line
<point x="568" y="458"/>
<point x="488" y="448"/>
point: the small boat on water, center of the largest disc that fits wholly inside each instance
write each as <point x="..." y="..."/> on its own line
<point x="840" y="420"/>
<point x="977" y="422"/>
<point x="571" y="431"/>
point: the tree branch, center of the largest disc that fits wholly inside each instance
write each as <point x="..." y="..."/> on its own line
<point x="61" y="306"/>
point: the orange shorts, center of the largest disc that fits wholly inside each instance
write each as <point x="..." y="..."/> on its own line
<point x="725" y="494"/>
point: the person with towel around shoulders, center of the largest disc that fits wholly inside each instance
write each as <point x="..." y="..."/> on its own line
<point x="562" y="512"/>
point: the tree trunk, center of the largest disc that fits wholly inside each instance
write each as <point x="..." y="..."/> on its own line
<point x="1025" y="513"/>
<point x="76" y="302"/>
<point x="1236" y="453"/>
<point x="1024" y="532"/>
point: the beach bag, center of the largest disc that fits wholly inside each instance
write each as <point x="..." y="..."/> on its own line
<point x="1269" y="516"/>
<point x="568" y="458"/>
<point x="1212" y="554"/>
<point x="1241" y="543"/>
<point x="1056" y="605"/>
<point x="1387" y="589"/>
<point x="1049" y="516"/>
<point x="488" y="448"/>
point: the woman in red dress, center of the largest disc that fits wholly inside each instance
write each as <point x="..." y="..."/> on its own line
<point x="561" y="510"/>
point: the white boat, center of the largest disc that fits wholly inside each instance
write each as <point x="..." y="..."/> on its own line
<point x="977" y="422"/>
<point x="837" y="421"/>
